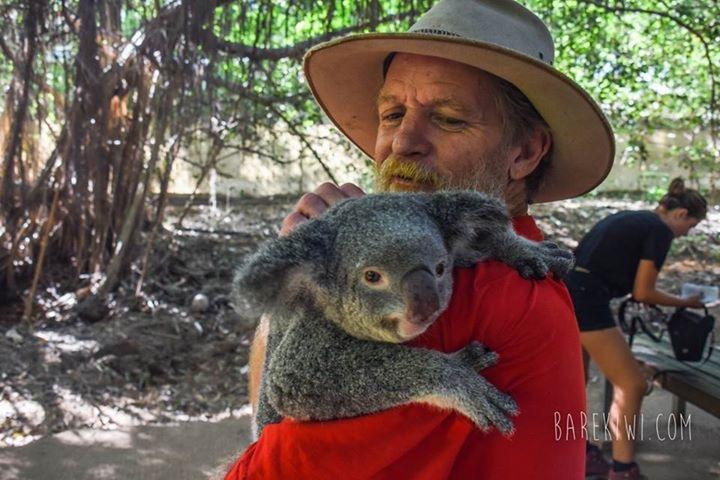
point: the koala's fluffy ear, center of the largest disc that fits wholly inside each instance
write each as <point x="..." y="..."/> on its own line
<point x="467" y="219"/>
<point x="285" y="266"/>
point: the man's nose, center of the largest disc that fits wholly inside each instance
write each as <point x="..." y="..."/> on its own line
<point x="411" y="138"/>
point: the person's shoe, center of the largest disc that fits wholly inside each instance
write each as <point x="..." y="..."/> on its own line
<point x="595" y="463"/>
<point x="632" y="474"/>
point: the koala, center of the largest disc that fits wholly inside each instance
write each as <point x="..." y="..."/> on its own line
<point x="345" y="290"/>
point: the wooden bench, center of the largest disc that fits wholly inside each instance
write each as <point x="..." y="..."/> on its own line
<point x="697" y="382"/>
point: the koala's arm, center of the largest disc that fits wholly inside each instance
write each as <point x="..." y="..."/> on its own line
<point x="531" y="259"/>
<point x="318" y="372"/>
<point x="477" y="227"/>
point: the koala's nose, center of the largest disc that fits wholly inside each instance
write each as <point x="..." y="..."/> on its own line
<point x="422" y="301"/>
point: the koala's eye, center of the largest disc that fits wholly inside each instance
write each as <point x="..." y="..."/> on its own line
<point x="371" y="276"/>
<point x="440" y="269"/>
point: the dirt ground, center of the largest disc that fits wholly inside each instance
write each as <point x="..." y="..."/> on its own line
<point x="154" y="358"/>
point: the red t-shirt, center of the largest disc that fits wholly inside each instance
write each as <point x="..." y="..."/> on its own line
<point x="531" y="325"/>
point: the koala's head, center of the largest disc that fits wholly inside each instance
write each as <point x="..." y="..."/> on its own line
<point x="390" y="267"/>
<point x="380" y="267"/>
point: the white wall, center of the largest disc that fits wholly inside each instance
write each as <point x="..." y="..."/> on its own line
<point x="256" y="176"/>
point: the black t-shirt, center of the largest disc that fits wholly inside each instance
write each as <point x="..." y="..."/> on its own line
<point x="615" y="246"/>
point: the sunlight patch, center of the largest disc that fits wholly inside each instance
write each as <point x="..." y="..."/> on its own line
<point x="96" y="438"/>
<point x="66" y="343"/>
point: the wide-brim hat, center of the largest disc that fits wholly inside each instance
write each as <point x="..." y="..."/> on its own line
<point x="498" y="36"/>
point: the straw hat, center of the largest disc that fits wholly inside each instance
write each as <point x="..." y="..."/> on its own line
<point x="498" y="36"/>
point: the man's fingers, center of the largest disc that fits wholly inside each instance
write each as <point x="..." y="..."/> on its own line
<point x="292" y="221"/>
<point x="352" y="190"/>
<point x="330" y="193"/>
<point x="314" y="204"/>
<point x="311" y="205"/>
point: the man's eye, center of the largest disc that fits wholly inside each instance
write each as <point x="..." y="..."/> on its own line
<point x="449" y="121"/>
<point x="391" y="117"/>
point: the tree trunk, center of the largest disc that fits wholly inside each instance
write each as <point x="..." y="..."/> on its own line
<point x="119" y="261"/>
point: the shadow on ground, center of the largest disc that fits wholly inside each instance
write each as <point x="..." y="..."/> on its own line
<point x="182" y="451"/>
<point x="194" y="450"/>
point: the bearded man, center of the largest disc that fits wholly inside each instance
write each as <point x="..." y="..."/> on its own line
<point x="468" y="98"/>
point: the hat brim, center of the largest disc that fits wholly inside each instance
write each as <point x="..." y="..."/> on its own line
<point x="345" y="76"/>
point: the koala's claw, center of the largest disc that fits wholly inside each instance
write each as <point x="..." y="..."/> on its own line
<point x="495" y="409"/>
<point x="487" y="406"/>
<point x="533" y="267"/>
<point x="537" y="260"/>
<point x="488" y="359"/>
<point x="477" y="356"/>
<point x="505" y="408"/>
<point x="560" y="261"/>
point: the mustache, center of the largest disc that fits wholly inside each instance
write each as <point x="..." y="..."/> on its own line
<point x="397" y="166"/>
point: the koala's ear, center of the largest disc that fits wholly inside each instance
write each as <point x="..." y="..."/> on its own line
<point x="284" y="266"/>
<point x="466" y="218"/>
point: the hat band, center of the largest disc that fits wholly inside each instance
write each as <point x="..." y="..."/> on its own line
<point x="436" y="31"/>
<point x="429" y="31"/>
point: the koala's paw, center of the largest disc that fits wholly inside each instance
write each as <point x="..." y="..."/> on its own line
<point x="491" y="407"/>
<point x="476" y="356"/>
<point x="536" y="260"/>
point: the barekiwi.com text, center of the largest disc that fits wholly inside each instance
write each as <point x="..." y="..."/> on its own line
<point x="600" y="427"/>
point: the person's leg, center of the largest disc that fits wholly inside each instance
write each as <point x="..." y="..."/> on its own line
<point x="611" y="353"/>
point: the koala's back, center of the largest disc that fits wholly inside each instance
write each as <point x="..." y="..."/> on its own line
<point x="384" y="212"/>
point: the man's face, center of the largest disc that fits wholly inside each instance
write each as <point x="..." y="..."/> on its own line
<point x="439" y="128"/>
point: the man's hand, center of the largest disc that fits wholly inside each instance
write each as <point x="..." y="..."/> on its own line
<point x="257" y="361"/>
<point x="313" y="204"/>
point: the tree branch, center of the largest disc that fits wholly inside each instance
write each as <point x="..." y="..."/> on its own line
<point x="694" y="32"/>
<point x="292" y="51"/>
<point x="304" y="140"/>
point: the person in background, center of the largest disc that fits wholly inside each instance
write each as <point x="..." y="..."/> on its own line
<point x="623" y="254"/>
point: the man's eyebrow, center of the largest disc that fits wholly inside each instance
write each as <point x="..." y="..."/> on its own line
<point x="450" y="103"/>
<point x="385" y="98"/>
<point x="440" y="102"/>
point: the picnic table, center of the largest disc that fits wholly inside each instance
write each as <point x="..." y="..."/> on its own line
<point x="694" y="382"/>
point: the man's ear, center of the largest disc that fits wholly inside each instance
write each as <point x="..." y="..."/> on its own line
<point x="524" y="158"/>
<point x="284" y="267"/>
<point x="467" y="218"/>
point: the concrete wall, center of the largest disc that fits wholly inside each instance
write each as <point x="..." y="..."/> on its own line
<point x="662" y="165"/>
<point x="256" y="176"/>
<point x="250" y="174"/>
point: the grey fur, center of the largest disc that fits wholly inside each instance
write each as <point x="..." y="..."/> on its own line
<point x="332" y="349"/>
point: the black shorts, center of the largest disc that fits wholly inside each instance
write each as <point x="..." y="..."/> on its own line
<point x="591" y="299"/>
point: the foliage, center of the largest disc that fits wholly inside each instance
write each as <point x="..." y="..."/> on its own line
<point x="652" y="64"/>
<point x="121" y="88"/>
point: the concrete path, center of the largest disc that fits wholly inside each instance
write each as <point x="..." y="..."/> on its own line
<point x="668" y="448"/>
<point x="185" y="451"/>
<point x="193" y="450"/>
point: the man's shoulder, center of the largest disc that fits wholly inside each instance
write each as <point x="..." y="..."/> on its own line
<point x="499" y="295"/>
<point x="495" y="276"/>
<point x="490" y="301"/>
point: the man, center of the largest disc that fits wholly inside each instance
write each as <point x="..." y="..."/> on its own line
<point x="467" y="99"/>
